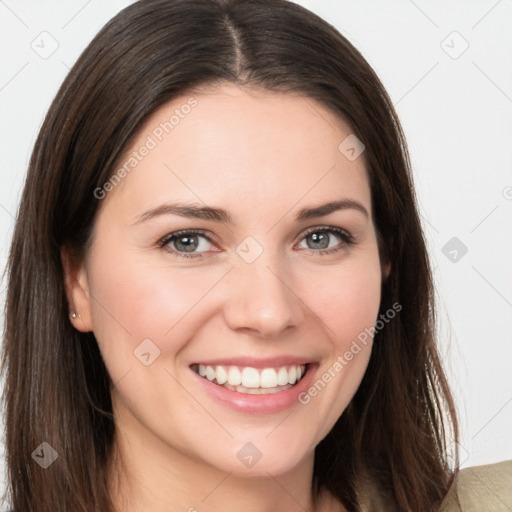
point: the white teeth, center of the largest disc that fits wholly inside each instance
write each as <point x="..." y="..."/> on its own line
<point x="234" y="376"/>
<point x="282" y="377"/>
<point x="268" y="378"/>
<point x="222" y="375"/>
<point x="210" y="373"/>
<point x="251" y="380"/>
<point x="257" y="391"/>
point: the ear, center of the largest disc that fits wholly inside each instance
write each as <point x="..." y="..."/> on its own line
<point x="77" y="290"/>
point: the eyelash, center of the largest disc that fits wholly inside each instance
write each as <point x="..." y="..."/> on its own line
<point x="347" y="240"/>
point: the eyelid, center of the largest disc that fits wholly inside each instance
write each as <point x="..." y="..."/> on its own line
<point x="175" y="234"/>
<point x="340" y="231"/>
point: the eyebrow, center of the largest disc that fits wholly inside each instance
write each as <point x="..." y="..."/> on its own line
<point x="326" y="209"/>
<point x="210" y="213"/>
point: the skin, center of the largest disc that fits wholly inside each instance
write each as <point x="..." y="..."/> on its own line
<point x="262" y="156"/>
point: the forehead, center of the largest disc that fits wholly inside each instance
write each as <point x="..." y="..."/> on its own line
<point x="242" y="146"/>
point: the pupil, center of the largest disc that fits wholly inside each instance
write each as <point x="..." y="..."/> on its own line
<point x="319" y="238"/>
<point x="187" y="243"/>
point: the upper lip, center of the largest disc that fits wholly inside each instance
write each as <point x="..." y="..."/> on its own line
<point x="269" y="362"/>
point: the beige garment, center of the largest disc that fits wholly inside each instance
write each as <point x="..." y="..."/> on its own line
<point x="481" y="489"/>
<point x="476" y="489"/>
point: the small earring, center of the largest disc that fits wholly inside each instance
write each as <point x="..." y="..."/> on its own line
<point x="74" y="315"/>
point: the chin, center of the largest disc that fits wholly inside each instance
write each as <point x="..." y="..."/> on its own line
<point x="259" y="457"/>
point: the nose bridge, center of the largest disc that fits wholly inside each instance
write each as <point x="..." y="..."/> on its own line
<point x="260" y="297"/>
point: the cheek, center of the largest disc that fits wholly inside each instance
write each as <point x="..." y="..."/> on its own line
<point x="347" y="299"/>
<point x="133" y="300"/>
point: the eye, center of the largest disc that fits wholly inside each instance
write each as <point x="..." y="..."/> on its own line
<point x="321" y="240"/>
<point x="191" y="243"/>
<point x="186" y="244"/>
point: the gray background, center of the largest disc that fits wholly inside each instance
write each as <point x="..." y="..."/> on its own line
<point x="455" y="104"/>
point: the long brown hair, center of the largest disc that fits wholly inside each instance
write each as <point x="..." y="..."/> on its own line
<point x="57" y="390"/>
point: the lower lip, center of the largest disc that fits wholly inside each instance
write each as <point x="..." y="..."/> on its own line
<point x="259" y="404"/>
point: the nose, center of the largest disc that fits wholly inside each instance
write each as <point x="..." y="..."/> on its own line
<point x="261" y="301"/>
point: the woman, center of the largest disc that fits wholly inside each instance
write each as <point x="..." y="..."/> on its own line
<point x="219" y="293"/>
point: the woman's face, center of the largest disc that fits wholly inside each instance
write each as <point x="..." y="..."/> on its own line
<point x="269" y="283"/>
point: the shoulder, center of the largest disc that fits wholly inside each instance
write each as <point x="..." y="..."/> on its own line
<point x="481" y="488"/>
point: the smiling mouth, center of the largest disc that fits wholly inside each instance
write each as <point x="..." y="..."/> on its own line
<point x="250" y="380"/>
